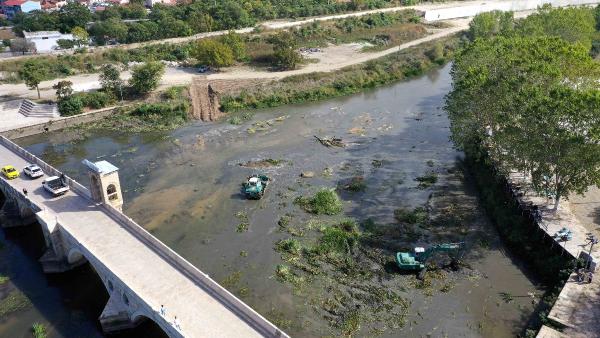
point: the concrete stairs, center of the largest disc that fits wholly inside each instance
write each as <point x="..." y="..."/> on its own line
<point x="32" y="109"/>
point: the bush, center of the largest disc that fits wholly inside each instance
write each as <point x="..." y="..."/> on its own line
<point x="213" y="53"/>
<point x="96" y="100"/>
<point x="145" y="78"/>
<point x="162" y="110"/>
<point x="69" y="106"/>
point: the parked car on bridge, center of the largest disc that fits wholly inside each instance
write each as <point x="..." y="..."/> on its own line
<point x="9" y="172"/>
<point x="55" y="185"/>
<point x="33" y="171"/>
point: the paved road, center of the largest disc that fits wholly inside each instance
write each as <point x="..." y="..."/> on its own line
<point x="143" y="270"/>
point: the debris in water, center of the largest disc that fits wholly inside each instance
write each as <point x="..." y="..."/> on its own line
<point x="307" y="174"/>
<point x="331" y="142"/>
<point x="269" y="162"/>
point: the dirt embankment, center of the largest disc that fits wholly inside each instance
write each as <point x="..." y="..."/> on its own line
<point x="205" y="101"/>
<point x="205" y="95"/>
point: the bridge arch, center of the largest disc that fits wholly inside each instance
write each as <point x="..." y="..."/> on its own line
<point x="75" y="257"/>
<point x="146" y="324"/>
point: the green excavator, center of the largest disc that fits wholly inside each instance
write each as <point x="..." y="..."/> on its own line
<point x="415" y="261"/>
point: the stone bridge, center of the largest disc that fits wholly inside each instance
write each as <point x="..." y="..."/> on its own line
<point x="140" y="273"/>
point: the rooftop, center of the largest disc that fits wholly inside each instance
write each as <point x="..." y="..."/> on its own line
<point x="101" y="167"/>
<point x="39" y="33"/>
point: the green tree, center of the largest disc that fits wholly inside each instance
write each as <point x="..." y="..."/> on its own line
<point x="63" y="89"/>
<point x="32" y="73"/>
<point x="285" y="47"/>
<point x="213" y="53"/>
<point x="145" y="78"/>
<point x="73" y="15"/>
<point x="201" y="22"/>
<point x="488" y="24"/>
<point x="111" y="29"/>
<point x="237" y="45"/>
<point x="571" y="24"/>
<point x="110" y="80"/>
<point x="533" y="103"/>
<point x="81" y="36"/>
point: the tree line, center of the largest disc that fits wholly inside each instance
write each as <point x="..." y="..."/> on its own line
<point x="162" y="21"/>
<point x="525" y="93"/>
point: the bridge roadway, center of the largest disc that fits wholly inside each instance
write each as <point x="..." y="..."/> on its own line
<point x="142" y="269"/>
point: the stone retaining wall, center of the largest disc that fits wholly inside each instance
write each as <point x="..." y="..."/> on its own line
<point x="60" y="123"/>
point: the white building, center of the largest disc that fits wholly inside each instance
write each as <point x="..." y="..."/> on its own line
<point x="46" y="41"/>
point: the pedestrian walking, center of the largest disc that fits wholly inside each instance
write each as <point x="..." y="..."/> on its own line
<point x="163" y="311"/>
<point x="176" y="323"/>
<point x="24" y="191"/>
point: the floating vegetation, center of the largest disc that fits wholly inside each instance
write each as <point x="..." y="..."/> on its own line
<point x="232" y="279"/>
<point x="427" y="180"/>
<point x="244" y="224"/>
<point x="242" y="227"/>
<point x="289" y="246"/>
<point x="278" y="319"/>
<point x="284" y="221"/>
<point x="326" y="201"/>
<point x="15" y="301"/>
<point x="415" y="216"/>
<point x="377" y="163"/>
<point x="269" y="162"/>
<point x="348" y="273"/>
<point x="39" y="330"/>
<point x="4" y="279"/>
<point x="355" y="184"/>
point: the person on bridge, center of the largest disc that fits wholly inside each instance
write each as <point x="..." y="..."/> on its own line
<point x="176" y="323"/>
<point x="163" y="311"/>
<point x="25" y="192"/>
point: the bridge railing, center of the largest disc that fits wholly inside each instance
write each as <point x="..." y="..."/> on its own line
<point x="246" y="313"/>
<point x="73" y="185"/>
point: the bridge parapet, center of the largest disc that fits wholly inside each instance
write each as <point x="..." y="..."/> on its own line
<point x="74" y="185"/>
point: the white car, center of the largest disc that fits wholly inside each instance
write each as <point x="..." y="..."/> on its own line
<point x="33" y="171"/>
<point x="55" y="185"/>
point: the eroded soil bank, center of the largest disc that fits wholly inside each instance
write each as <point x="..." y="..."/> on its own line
<point x="184" y="186"/>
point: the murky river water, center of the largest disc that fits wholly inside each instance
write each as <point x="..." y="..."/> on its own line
<point x="184" y="186"/>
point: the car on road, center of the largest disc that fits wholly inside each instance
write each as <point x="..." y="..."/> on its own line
<point x="33" y="171"/>
<point x="55" y="185"/>
<point x="9" y="172"/>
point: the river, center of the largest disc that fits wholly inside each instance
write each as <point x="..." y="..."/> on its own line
<point x="184" y="187"/>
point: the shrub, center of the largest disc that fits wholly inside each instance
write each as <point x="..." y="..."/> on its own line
<point x="96" y="100"/>
<point x="72" y="105"/>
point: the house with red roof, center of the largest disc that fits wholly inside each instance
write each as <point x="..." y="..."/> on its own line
<point x="11" y="7"/>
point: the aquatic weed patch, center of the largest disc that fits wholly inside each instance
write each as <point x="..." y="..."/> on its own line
<point x="346" y="275"/>
<point x="325" y="202"/>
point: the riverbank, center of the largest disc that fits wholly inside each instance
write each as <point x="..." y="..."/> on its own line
<point x="403" y="65"/>
<point x="522" y="234"/>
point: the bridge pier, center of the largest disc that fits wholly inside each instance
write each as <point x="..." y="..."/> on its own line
<point x="16" y="213"/>
<point x="115" y="316"/>
<point x="56" y="259"/>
